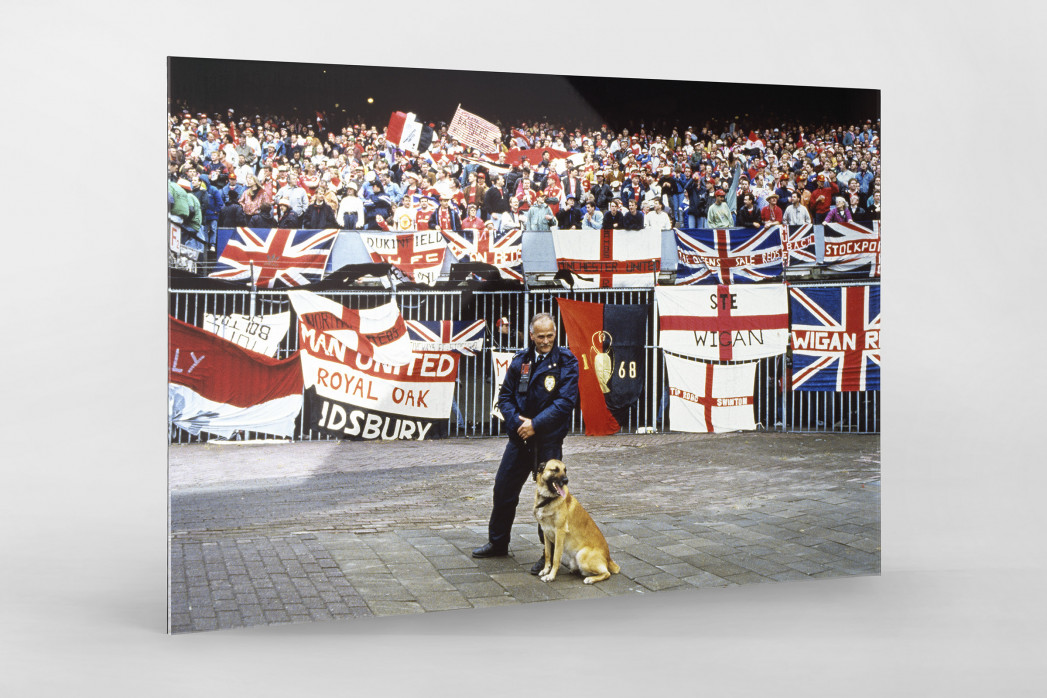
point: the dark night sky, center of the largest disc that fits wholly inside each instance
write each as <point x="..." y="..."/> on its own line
<point x="260" y="87"/>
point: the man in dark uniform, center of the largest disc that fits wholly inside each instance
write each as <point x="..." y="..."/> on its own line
<point x="536" y="399"/>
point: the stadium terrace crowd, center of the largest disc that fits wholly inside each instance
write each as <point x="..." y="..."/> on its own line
<point x="225" y="170"/>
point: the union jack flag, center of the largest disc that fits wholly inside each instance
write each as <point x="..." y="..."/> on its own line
<point x="280" y="256"/>
<point x="799" y="245"/>
<point x="446" y="335"/>
<point x="737" y="255"/>
<point x="487" y="247"/>
<point x="836" y="338"/>
<point x="852" y="248"/>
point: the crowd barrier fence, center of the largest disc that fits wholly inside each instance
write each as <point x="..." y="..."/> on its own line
<point x="777" y="407"/>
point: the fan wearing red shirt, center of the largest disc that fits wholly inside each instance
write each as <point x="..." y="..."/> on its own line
<point x="822" y="198"/>
<point x="471" y="220"/>
<point x="771" y="213"/>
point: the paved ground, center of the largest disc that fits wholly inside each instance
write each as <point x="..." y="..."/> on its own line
<point x="312" y="531"/>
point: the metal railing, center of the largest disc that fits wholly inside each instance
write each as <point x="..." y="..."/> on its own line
<point x="777" y="408"/>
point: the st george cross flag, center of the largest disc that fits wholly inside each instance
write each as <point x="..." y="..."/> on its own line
<point x="280" y="257"/>
<point x="419" y="256"/>
<point x="447" y="335"/>
<point x="501" y="361"/>
<point x="852" y="248"/>
<point x="329" y="327"/>
<point x="407" y="133"/>
<point x="608" y="341"/>
<point x="836" y="338"/>
<point x="262" y="333"/>
<point x="503" y="251"/>
<point x="723" y="323"/>
<point x="737" y="255"/>
<point x="609" y="258"/>
<point x="799" y="244"/>
<point x="710" y="398"/>
<point x="218" y="387"/>
<point x="474" y="132"/>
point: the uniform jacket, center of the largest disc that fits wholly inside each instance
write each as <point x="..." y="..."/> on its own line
<point x="552" y="395"/>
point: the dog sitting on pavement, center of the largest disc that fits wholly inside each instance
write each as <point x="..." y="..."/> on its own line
<point x="569" y="532"/>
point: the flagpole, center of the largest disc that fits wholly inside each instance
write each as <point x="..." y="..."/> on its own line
<point x="254" y="291"/>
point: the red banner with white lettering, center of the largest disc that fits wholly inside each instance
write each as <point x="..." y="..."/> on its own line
<point x="220" y="388"/>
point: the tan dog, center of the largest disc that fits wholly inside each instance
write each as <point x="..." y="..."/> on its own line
<point x="570" y="533"/>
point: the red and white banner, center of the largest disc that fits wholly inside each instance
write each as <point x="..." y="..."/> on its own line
<point x="404" y="131"/>
<point x="262" y="333"/>
<point x="534" y="155"/>
<point x="419" y="256"/>
<point x="723" y="323"/>
<point x="474" y="132"/>
<point x="609" y="258"/>
<point x="501" y="360"/>
<point x="354" y="397"/>
<point x="326" y="326"/>
<point x="220" y="388"/>
<point x="710" y="398"/>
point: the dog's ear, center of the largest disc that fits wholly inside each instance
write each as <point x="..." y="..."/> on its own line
<point x="541" y="466"/>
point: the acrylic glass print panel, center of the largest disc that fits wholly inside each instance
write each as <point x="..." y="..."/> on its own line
<point x="357" y="392"/>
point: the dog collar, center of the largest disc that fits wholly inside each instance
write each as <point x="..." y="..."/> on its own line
<point x="546" y="501"/>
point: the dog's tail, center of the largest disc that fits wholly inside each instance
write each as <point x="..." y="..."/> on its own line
<point x="613" y="567"/>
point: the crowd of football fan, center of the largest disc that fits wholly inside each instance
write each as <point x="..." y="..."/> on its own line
<point x="226" y="170"/>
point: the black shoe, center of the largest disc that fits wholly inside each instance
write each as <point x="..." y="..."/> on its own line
<point x="490" y="550"/>
<point x="538" y="566"/>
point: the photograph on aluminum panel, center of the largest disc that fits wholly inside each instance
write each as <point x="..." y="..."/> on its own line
<point x="451" y="339"/>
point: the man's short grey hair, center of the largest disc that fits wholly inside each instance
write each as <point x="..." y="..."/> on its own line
<point x="541" y="316"/>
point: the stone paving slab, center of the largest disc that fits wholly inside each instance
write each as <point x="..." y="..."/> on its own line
<point x="332" y="531"/>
